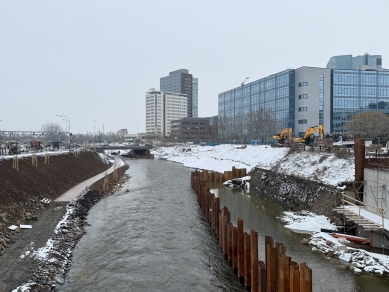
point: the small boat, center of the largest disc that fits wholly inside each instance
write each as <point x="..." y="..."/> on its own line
<point x="352" y="238"/>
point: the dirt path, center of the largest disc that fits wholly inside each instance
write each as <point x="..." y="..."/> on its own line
<point x="75" y="191"/>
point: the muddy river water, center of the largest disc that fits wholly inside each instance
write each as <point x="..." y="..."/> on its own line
<point x="155" y="238"/>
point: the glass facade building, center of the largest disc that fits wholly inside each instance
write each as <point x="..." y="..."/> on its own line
<point x="304" y="97"/>
<point x="348" y="62"/>
<point x="273" y="95"/>
<point x="356" y="91"/>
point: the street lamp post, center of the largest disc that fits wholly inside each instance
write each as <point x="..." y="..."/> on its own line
<point x="94" y="135"/>
<point x="103" y="135"/>
<point x="67" y="119"/>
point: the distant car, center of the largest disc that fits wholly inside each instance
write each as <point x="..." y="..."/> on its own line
<point x="104" y="144"/>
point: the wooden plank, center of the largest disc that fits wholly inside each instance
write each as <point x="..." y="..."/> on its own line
<point x="225" y="236"/>
<point x="294" y="278"/>
<point x="240" y="250"/>
<point x="271" y="264"/>
<point x="217" y="221"/>
<point x="221" y="234"/>
<point x="220" y="231"/>
<point x="235" y="249"/>
<point x="278" y="252"/>
<point x="230" y="227"/>
<point x="247" y="258"/>
<point x="262" y="285"/>
<point x="286" y="264"/>
<point x="254" y="260"/>
<point x="305" y="278"/>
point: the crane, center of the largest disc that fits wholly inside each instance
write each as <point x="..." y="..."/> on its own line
<point x="244" y="81"/>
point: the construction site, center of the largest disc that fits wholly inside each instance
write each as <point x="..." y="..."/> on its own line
<point x="364" y="206"/>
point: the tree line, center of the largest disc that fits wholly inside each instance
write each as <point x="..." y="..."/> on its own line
<point x="256" y="125"/>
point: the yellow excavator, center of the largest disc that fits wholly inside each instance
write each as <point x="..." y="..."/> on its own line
<point x="285" y="134"/>
<point x="307" y="139"/>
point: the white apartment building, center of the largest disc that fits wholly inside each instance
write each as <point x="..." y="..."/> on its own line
<point x="162" y="108"/>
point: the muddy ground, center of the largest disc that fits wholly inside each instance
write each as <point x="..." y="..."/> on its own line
<point x="21" y="192"/>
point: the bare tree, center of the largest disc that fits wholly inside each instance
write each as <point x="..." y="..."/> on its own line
<point x="368" y="124"/>
<point x="223" y="128"/>
<point x="51" y="128"/>
<point x="238" y="127"/>
<point x="255" y="124"/>
<point x="261" y="125"/>
<point x="53" y="131"/>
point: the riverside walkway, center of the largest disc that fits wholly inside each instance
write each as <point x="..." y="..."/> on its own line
<point x="75" y="191"/>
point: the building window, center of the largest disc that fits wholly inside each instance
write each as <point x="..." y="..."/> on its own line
<point x="301" y="84"/>
<point x="304" y="121"/>
<point x="321" y="99"/>
<point x="303" y="109"/>
<point x="303" y="96"/>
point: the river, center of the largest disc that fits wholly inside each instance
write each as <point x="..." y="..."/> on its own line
<point x="155" y="238"/>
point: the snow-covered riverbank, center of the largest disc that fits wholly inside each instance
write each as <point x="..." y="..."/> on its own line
<point x="360" y="260"/>
<point x="316" y="166"/>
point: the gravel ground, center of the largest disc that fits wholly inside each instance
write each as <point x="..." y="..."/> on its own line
<point x="15" y="271"/>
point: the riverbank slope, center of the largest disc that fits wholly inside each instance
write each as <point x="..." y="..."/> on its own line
<point x="24" y="199"/>
<point x="296" y="179"/>
<point x="333" y="169"/>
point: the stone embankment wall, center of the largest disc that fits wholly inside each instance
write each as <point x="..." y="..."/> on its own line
<point x="295" y="193"/>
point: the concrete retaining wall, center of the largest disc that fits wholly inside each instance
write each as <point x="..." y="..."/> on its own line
<point x="376" y="190"/>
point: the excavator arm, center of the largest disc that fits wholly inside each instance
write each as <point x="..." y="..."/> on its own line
<point x="285" y="134"/>
<point x="307" y="136"/>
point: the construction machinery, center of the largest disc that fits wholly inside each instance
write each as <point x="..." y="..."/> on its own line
<point x="36" y="145"/>
<point x="12" y="146"/>
<point x="307" y="138"/>
<point x="285" y="134"/>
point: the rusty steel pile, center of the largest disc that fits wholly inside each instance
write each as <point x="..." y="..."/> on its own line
<point x="277" y="273"/>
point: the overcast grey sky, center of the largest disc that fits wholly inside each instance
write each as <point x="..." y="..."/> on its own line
<point x="96" y="59"/>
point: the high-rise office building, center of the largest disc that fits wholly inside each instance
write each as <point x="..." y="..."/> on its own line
<point x="180" y="81"/>
<point x="305" y="97"/>
<point x="161" y="109"/>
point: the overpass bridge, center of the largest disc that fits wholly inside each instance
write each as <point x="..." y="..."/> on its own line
<point x="137" y="150"/>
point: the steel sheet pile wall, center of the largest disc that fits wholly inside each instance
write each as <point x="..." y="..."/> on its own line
<point x="277" y="272"/>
